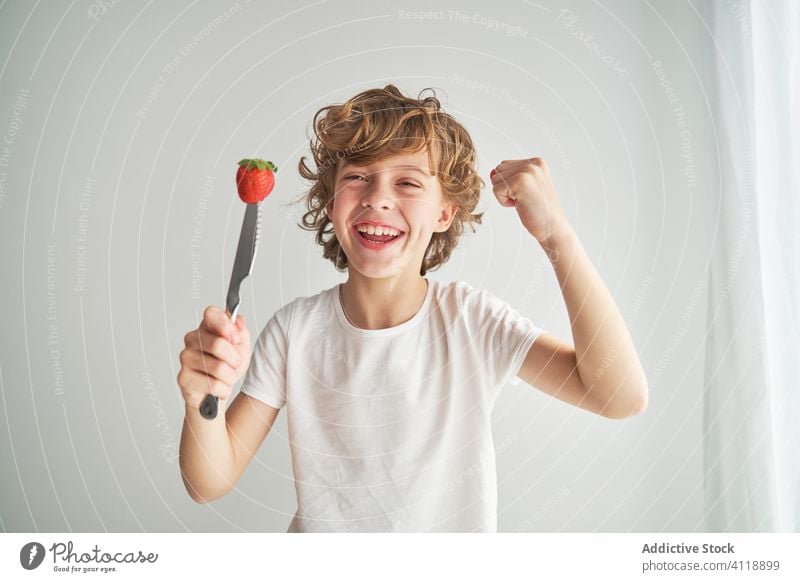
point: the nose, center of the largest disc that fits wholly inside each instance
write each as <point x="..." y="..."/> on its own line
<point x="376" y="195"/>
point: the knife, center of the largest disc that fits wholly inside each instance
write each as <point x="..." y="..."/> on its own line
<point x="242" y="267"/>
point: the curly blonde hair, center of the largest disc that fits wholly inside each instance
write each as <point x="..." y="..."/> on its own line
<point x="379" y="123"/>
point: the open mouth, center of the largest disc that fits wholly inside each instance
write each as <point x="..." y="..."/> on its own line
<point x="377" y="238"/>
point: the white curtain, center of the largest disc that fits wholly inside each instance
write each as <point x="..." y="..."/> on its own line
<point x="752" y="368"/>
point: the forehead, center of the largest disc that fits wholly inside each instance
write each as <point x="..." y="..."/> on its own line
<point x="400" y="161"/>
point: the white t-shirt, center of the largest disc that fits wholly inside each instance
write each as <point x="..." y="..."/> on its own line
<point x="390" y="429"/>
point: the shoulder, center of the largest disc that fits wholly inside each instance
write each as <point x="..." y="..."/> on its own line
<point x="470" y="298"/>
<point x="455" y="290"/>
<point x="462" y="300"/>
<point x="301" y="308"/>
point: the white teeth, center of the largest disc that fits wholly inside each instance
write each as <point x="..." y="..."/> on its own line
<point x="377" y="230"/>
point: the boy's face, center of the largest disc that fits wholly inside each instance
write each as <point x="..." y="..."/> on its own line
<point x="399" y="192"/>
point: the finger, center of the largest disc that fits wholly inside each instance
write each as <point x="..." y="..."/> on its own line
<point x="503" y="193"/>
<point x="218" y="322"/>
<point x="502" y="172"/>
<point x="213" y="367"/>
<point x="216" y="346"/>
<point x="505" y="200"/>
<point x="239" y="331"/>
<point x="241" y="326"/>
<point x="220" y="348"/>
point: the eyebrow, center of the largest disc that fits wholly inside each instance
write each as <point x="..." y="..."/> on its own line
<point x="400" y="167"/>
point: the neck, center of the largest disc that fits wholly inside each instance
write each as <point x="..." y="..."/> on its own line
<point x="381" y="303"/>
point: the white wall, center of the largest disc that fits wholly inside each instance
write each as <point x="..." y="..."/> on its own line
<point x="109" y="186"/>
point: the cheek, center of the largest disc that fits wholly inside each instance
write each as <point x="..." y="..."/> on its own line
<point x="339" y="208"/>
<point x="423" y="216"/>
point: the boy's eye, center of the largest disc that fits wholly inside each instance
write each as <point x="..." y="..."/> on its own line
<point x="356" y="177"/>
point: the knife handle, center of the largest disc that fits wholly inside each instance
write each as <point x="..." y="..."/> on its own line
<point x="208" y="409"/>
<point x="210" y="404"/>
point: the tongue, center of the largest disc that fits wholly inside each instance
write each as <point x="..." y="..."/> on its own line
<point x="376" y="238"/>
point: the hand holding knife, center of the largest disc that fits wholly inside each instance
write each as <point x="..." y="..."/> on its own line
<point x="254" y="181"/>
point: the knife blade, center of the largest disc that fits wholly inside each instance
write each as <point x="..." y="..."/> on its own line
<point x="242" y="267"/>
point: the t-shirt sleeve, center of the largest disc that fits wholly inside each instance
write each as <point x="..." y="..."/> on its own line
<point x="265" y="379"/>
<point x="502" y="336"/>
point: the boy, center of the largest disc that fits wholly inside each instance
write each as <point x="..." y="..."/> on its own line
<point x="390" y="378"/>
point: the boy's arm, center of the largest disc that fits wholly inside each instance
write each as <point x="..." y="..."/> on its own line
<point x="602" y="372"/>
<point x="249" y="422"/>
<point x="214" y="453"/>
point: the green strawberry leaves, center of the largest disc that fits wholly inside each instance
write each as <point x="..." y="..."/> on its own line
<point x="259" y="164"/>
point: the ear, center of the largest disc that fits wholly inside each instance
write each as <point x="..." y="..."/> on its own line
<point x="329" y="208"/>
<point x="446" y="217"/>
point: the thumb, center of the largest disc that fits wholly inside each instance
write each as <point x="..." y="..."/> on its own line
<point x="240" y="324"/>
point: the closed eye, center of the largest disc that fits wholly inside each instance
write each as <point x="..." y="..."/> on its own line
<point x="362" y="178"/>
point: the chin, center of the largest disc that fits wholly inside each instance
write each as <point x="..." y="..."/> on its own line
<point x="375" y="271"/>
<point x="377" y="268"/>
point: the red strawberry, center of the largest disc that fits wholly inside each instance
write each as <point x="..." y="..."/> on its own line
<point x="255" y="180"/>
